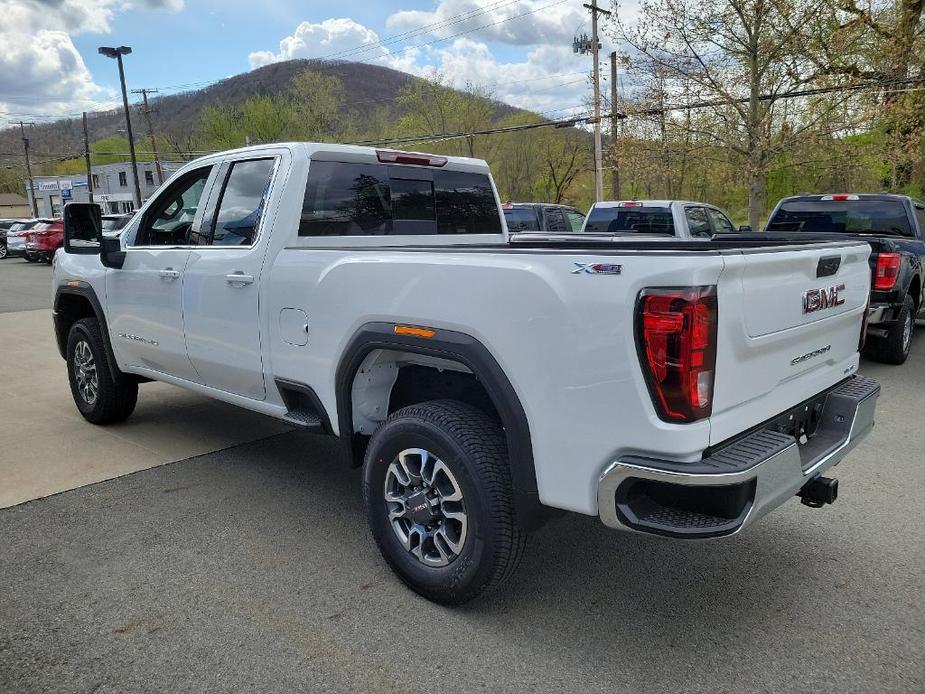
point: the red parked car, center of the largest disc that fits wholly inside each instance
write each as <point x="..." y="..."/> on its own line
<point x="44" y="239"/>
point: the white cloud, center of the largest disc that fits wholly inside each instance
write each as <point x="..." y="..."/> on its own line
<point x="551" y="79"/>
<point x="41" y="71"/>
<point x="519" y="22"/>
<point x="340" y="38"/>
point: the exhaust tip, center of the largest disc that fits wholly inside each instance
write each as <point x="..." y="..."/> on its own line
<point x="818" y="492"/>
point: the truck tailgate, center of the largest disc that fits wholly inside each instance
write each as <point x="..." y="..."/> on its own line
<point x="790" y="321"/>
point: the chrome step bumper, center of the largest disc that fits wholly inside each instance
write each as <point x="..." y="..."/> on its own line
<point x="738" y="483"/>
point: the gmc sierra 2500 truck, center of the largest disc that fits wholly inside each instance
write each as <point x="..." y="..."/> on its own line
<point x="677" y="388"/>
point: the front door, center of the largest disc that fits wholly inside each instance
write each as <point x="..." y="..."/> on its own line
<point x="144" y="297"/>
<point x="221" y="282"/>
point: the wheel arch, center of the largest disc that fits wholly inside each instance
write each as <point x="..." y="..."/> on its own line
<point x="72" y="303"/>
<point x="451" y="346"/>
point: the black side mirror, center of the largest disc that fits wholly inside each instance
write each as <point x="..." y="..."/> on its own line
<point x="743" y="228"/>
<point x="83" y="228"/>
<point x="111" y="253"/>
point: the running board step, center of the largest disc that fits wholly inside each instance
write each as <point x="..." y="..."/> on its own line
<point x="305" y="409"/>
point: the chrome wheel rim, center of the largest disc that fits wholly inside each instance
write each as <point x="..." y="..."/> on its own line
<point x="907" y="332"/>
<point x="88" y="384"/>
<point x="426" y="508"/>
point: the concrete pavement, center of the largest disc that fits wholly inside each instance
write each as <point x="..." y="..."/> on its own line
<point x="47" y="447"/>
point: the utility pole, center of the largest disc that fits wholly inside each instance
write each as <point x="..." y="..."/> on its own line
<point x="595" y="53"/>
<point x="614" y="122"/>
<point x="147" y="112"/>
<point x="87" y="159"/>
<point x="117" y="53"/>
<point x="25" y="149"/>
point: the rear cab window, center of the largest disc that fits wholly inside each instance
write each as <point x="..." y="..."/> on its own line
<point x="861" y="216"/>
<point x="368" y="199"/>
<point x="639" y="219"/>
<point x="521" y="219"/>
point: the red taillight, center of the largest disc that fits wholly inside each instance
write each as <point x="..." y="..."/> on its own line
<point x="391" y="156"/>
<point x="887" y="271"/>
<point x="677" y="348"/>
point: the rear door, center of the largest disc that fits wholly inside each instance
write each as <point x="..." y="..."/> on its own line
<point x="789" y="327"/>
<point x="222" y="279"/>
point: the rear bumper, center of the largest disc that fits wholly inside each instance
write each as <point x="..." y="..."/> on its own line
<point x="740" y="482"/>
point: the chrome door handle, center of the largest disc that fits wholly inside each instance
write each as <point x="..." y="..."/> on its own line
<point x="239" y="278"/>
<point x="169" y="274"/>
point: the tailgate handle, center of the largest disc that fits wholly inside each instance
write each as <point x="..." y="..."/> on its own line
<point x="828" y="266"/>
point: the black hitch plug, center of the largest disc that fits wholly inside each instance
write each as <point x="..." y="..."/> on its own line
<point x="818" y="492"/>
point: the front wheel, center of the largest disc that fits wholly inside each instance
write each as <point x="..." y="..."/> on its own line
<point x="3" y="250"/>
<point x="100" y="396"/>
<point x="437" y="487"/>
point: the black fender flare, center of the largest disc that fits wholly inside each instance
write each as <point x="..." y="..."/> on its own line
<point x="85" y="291"/>
<point x="468" y="351"/>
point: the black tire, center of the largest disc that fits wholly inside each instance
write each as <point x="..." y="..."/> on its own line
<point x="32" y="259"/>
<point x="473" y="447"/>
<point x="3" y="250"/>
<point x="894" y="348"/>
<point x="115" y="398"/>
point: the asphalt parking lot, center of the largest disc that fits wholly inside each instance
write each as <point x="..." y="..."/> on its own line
<point x="250" y="568"/>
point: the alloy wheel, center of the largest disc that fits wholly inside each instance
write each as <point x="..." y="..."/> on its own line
<point x="426" y="508"/>
<point x="88" y="384"/>
<point x="907" y="332"/>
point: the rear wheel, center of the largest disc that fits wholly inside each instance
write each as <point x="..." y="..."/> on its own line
<point x="100" y="397"/>
<point x="438" y="495"/>
<point x="895" y="346"/>
<point x="3" y="251"/>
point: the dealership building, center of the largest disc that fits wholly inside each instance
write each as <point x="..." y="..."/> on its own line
<point x="112" y="187"/>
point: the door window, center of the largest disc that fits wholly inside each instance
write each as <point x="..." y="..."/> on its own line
<point x="721" y="223"/>
<point x="697" y="221"/>
<point x="920" y="216"/>
<point x="555" y="220"/>
<point x="170" y="218"/>
<point x="242" y="202"/>
<point x="575" y="219"/>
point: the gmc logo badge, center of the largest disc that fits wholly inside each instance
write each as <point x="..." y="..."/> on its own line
<point x="821" y="299"/>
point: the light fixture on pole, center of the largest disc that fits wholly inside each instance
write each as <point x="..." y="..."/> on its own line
<point x="117" y="53"/>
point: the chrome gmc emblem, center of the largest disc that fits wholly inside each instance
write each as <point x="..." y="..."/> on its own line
<point x="821" y="299"/>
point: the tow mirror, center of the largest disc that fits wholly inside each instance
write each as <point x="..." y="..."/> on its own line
<point x="111" y="253"/>
<point x="83" y="228"/>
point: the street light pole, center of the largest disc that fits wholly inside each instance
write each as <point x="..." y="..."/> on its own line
<point x="117" y="53"/>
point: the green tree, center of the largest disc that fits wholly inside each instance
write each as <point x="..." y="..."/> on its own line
<point x="317" y="103"/>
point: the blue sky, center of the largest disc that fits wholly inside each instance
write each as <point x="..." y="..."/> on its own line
<point x="519" y="49"/>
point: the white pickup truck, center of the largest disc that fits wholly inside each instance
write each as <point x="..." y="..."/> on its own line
<point x="681" y="219"/>
<point x="677" y="388"/>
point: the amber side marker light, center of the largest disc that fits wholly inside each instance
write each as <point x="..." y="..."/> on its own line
<point x="416" y="332"/>
<point x="73" y="283"/>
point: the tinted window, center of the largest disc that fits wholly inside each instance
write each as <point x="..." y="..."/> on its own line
<point x="465" y="204"/>
<point x="242" y="202"/>
<point x="721" y="223"/>
<point x="362" y="200"/>
<point x="920" y="215"/>
<point x="575" y="219"/>
<point x="521" y="219"/>
<point x="697" y="221"/>
<point x="629" y="220"/>
<point x="555" y="220"/>
<point x="169" y="220"/>
<point x="842" y="216"/>
<point x="412" y="200"/>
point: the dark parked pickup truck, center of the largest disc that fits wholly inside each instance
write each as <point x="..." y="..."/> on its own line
<point x="894" y="226"/>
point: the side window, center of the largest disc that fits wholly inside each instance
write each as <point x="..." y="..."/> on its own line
<point x="575" y="219"/>
<point x="721" y="223"/>
<point x="920" y="217"/>
<point x="555" y="220"/>
<point x="346" y="200"/>
<point x="241" y="203"/>
<point x="169" y="219"/>
<point x="343" y="199"/>
<point x="697" y="221"/>
<point x="123" y="179"/>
